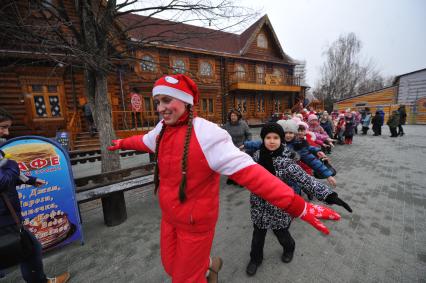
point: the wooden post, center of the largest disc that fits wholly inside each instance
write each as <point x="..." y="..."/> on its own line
<point x="114" y="208"/>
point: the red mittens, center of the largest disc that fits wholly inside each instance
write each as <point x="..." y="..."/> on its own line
<point x="315" y="212"/>
<point x="117" y="144"/>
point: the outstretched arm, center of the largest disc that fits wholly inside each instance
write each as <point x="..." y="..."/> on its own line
<point x="144" y="142"/>
<point x="224" y="158"/>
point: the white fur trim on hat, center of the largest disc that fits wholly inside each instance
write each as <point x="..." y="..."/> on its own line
<point x="289" y="126"/>
<point x="173" y="92"/>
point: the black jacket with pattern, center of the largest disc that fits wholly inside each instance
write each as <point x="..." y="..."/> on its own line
<point x="266" y="216"/>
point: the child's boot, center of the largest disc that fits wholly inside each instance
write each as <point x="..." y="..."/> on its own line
<point x="287" y="256"/>
<point x="251" y="268"/>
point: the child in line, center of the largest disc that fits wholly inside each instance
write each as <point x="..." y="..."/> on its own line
<point x="339" y="128"/>
<point x="349" y="127"/>
<point x="276" y="158"/>
<point x="309" y="155"/>
<point x="321" y="135"/>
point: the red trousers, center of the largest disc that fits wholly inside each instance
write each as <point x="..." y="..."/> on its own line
<point x="185" y="255"/>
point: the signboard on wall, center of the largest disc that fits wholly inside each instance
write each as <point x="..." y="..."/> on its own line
<point x="136" y="102"/>
<point x="50" y="211"/>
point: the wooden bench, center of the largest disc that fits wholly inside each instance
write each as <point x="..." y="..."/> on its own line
<point x="83" y="156"/>
<point x="110" y="188"/>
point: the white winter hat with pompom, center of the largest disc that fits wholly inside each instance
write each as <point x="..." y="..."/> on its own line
<point x="289" y="126"/>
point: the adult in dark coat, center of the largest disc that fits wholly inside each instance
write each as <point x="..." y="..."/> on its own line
<point x="393" y="123"/>
<point x="402" y="119"/>
<point x="377" y="122"/>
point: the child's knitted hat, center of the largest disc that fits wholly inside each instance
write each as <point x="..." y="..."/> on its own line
<point x="301" y="123"/>
<point x="312" y="117"/>
<point x="272" y="128"/>
<point x="289" y="126"/>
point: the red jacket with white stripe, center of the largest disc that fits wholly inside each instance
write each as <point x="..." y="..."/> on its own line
<point x="211" y="153"/>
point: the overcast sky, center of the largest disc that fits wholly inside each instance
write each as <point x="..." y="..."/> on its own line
<point x="393" y="32"/>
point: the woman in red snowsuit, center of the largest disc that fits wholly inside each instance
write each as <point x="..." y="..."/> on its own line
<point x="191" y="154"/>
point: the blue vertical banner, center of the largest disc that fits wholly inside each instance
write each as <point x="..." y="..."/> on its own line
<point x="50" y="211"/>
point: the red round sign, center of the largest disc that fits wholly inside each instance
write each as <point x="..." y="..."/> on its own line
<point x="136" y="102"/>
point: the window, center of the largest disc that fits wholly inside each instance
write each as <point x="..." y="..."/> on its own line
<point x="240" y="72"/>
<point x="260" y="74"/>
<point x="46" y="100"/>
<point x="179" y="66"/>
<point x="277" y="104"/>
<point x="148" y="63"/>
<point x="148" y="104"/>
<point x="277" y="73"/>
<point x="207" y="105"/>
<point x="262" y="42"/>
<point x="241" y="104"/>
<point x="206" y="69"/>
<point x="260" y="103"/>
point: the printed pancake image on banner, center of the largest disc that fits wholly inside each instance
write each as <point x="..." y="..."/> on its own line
<point x="50" y="211"/>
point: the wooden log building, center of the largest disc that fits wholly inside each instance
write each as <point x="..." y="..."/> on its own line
<point x="407" y="89"/>
<point x="247" y="71"/>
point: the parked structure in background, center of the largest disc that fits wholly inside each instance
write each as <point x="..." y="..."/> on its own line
<point x="408" y="89"/>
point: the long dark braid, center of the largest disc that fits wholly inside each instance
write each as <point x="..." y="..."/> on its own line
<point x="182" y="187"/>
<point x="156" y="168"/>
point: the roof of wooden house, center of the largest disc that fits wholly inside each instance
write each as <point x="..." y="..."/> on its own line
<point x="164" y="33"/>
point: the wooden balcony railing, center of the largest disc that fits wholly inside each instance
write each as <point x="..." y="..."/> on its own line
<point x="73" y="126"/>
<point x="129" y="120"/>
<point x="264" y="79"/>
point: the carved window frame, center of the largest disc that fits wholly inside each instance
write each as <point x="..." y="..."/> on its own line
<point x="207" y="105"/>
<point x="260" y="79"/>
<point x="240" y="71"/>
<point x="212" y="65"/>
<point x="147" y="73"/>
<point x="262" y="41"/>
<point x="279" y="73"/>
<point x="27" y="85"/>
<point x="173" y="60"/>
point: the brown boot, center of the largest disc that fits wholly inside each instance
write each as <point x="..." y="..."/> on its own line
<point x="61" y="278"/>
<point x="214" y="269"/>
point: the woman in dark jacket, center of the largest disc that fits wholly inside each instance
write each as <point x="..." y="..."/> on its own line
<point x="402" y="119"/>
<point x="10" y="177"/>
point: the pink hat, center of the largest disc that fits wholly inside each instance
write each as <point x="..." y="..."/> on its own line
<point x="312" y="117"/>
<point x="301" y="123"/>
<point x="177" y="86"/>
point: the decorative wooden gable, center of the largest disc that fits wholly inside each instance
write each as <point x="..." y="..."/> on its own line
<point x="260" y="40"/>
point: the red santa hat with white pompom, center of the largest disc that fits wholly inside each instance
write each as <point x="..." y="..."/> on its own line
<point x="178" y="86"/>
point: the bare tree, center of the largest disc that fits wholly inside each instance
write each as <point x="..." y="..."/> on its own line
<point x="96" y="36"/>
<point x="343" y="74"/>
